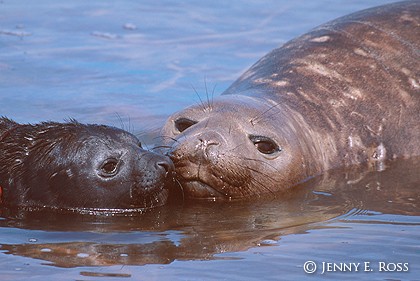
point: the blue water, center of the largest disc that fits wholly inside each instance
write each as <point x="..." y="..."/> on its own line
<point x="141" y="60"/>
<point x="131" y="64"/>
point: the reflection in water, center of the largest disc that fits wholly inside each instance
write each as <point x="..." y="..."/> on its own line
<point x="201" y="231"/>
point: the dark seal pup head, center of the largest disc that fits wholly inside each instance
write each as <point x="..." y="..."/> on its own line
<point x="76" y="166"/>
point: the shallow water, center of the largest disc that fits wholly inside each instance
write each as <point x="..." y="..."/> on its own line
<point x="348" y="217"/>
<point x="131" y="64"/>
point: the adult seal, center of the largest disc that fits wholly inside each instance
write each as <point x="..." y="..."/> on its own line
<point x="78" y="167"/>
<point x="345" y="93"/>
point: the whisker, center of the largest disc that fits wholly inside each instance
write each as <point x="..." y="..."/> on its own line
<point x="162" y="146"/>
<point x="230" y="150"/>
<point x="255" y="119"/>
<point x="257" y="171"/>
<point x="248" y="190"/>
<point x="120" y="120"/>
<point x="260" y="161"/>
<point x="166" y="137"/>
<point x="254" y="179"/>
<point x="139" y="136"/>
<point x="207" y="94"/>
<point x="130" y="125"/>
<point x="203" y="106"/>
<point x="207" y="123"/>
<point x="181" y="188"/>
<point x="212" y="94"/>
<point x="264" y="187"/>
<point x="271" y="115"/>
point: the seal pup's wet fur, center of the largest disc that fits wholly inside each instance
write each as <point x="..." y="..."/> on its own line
<point x="77" y="166"/>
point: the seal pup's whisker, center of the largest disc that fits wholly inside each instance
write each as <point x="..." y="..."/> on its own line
<point x="181" y="187"/>
<point x="161" y="146"/>
<point x="122" y="126"/>
<point x="167" y="137"/>
<point x="142" y="139"/>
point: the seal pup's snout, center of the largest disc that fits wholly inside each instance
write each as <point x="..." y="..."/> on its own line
<point x="160" y="166"/>
<point x="165" y="165"/>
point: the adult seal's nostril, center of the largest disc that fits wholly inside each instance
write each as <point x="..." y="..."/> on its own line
<point x="206" y="145"/>
<point x="209" y="138"/>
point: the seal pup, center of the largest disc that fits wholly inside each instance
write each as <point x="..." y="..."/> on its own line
<point x="74" y="166"/>
<point x="346" y="93"/>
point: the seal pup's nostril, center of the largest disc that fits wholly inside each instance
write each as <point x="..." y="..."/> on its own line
<point x="165" y="165"/>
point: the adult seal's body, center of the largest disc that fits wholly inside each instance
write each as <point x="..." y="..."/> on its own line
<point x="78" y="167"/>
<point x="345" y="93"/>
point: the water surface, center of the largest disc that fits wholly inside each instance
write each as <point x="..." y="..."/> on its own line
<point x="352" y="216"/>
<point x="131" y="64"/>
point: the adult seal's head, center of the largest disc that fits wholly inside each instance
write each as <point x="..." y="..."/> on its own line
<point x="77" y="166"/>
<point x="345" y="93"/>
<point x="229" y="150"/>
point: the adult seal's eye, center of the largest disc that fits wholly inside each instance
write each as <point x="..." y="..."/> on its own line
<point x="182" y="124"/>
<point x="109" y="167"/>
<point x="265" y="145"/>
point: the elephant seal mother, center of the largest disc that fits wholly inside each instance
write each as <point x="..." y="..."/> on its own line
<point x="345" y="93"/>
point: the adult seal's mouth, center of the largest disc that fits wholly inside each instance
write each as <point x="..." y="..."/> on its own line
<point x="198" y="182"/>
<point x="197" y="189"/>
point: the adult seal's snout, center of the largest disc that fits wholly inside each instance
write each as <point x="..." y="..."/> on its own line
<point x="345" y="93"/>
<point x="203" y="148"/>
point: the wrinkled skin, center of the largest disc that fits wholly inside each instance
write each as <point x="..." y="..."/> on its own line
<point x="343" y="94"/>
<point x="76" y="166"/>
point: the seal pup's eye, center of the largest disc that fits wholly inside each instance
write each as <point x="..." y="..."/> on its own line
<point x="265" y="145"/>
<point x="182" y="124"/>
<point x="109" y="167"/>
